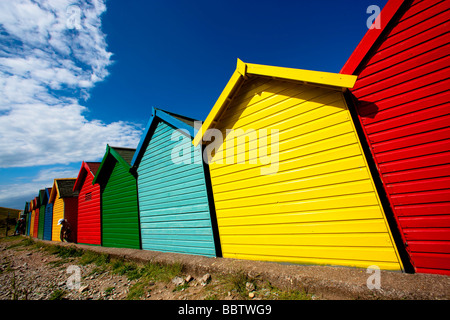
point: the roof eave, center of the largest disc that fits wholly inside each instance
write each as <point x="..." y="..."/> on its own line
<point x="371" y="37"/>
<point x="248" y="69"/>
<point x="119" y="159"/>
<point x="158" y="114"/>
<point x="84" y="170"/>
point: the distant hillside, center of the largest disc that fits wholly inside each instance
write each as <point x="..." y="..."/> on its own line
<point x="13" y="213"/>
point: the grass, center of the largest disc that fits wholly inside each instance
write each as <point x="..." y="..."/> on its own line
<point x="151" y="272"/>
<point x="236" y="284"/>
<point x="58" y="294"/>
<point x="146" y="275"/>
<point x="23" y="243"/>
<point x="88" y="257"/>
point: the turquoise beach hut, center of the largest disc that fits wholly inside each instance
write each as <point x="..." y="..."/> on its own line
<point x="176" y="211"/>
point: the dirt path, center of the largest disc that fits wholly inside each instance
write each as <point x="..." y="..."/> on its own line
<point x="41" y="270"/>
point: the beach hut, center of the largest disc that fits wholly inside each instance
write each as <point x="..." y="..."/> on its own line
<point x="289" y="178"/>
<point x="175" y="212"/>
<point x="402" y="104"/>
<point x="48" y="216"/>
<point x="89" y="223"/>
<point x="65" y="206"/>
<point x="119" y="209"/>
<point x="32" y="217"/>
<point x="26" y="212"/>
<point x="43" y="199"/>
<point x="37" y="205"/>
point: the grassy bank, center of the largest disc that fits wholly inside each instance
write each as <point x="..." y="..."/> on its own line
<point x="149" y="277"/>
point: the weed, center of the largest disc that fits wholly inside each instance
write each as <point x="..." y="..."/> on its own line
<point x="237" y="282"/>
<point x="57" y="263"/>
<point x="137" y="290"/>
<point x="212" y="297"/>
<point x="88" y="257"/>
<point x="108" y="291"/>
<point x="148" y="273"/>
<point x="293" y="295"/>
<point x="181" y="287"/>
<point x="23" y="243"/>
<point x="161" y="272"/>
<point x="57" y="294"/>
<point x="68" y="252"/>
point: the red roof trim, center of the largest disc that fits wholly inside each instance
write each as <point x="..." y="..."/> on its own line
<point x="371" y="36"/>
<point x="85" y="168"/>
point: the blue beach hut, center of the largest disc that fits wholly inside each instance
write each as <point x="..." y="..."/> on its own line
<point x="176" y="210"/>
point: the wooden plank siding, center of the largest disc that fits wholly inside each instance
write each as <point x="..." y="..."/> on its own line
<point x="402" y="101"/>
<point x="89" y="214"/>
<point x="43" y="203"/>
<point x="173" y="201"/>
<point x="120" y="223"/>
<point x="48" y="221"/>
<point x="36" y="217"/>
<point x="58" y="213"/>
<point x="71" y="214"/>
<point x="32" y="217"/>
<point x="320" y="205"/>
<point x="120" y="216"/>
<point x="65" y="206"/>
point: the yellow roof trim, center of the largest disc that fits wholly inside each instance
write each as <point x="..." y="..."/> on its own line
<point x="217" y="106"/>
<point x="243" y="69"/>
<point x="313" y="77"/>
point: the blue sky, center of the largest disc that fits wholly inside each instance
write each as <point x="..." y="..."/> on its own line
<point x="75" y="75"/>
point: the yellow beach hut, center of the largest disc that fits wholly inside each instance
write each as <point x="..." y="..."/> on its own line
<point x="32" y="216"/>
<point x="65" y="205"/>
<point x="289" y="177"/>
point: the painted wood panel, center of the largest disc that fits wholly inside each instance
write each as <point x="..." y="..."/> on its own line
<point x="65" y="206"/>
<point x="36" y="222"/>
<point x="120" y="216"/>
<point x="48" y="222"/>
<point x="402" y="100"/>
<point x="173" y="201"/>
<point x="319" y="203"/>
<point x="41" y="222"/>
<point x="71" y="214"/>
<point x="32" y="218"/>
<point x="58" y="213"/>
<point x="89" y="220"/>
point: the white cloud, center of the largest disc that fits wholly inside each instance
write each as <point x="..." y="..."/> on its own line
<point x="14" y="194"/>
<point x="46" y="176"/>
<point x="48" y="47"/>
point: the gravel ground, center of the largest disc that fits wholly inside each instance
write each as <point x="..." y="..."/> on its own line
<point x="34" y="274"/>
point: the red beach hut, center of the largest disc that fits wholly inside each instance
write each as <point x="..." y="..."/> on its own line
<point x="402" y="99"/>
<point x="89" y="224"/>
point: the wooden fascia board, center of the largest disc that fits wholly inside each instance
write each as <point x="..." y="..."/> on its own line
<point x="175" y="122"/>
<point x="304" y="76"/>
<point x="247" y="69"/>
<point x="54" y="192"/>
<point x="161" y="115"/>
<point x="141" y="143"/>
<point x="99" y="170"/>
<point x="371" y="37"/>
<point x="217" y="108"/>
<point x="84" y="170"/>
<point x="109" y="152"/>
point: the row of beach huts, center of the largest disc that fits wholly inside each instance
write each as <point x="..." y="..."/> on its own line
<point x="347" y="169"/>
